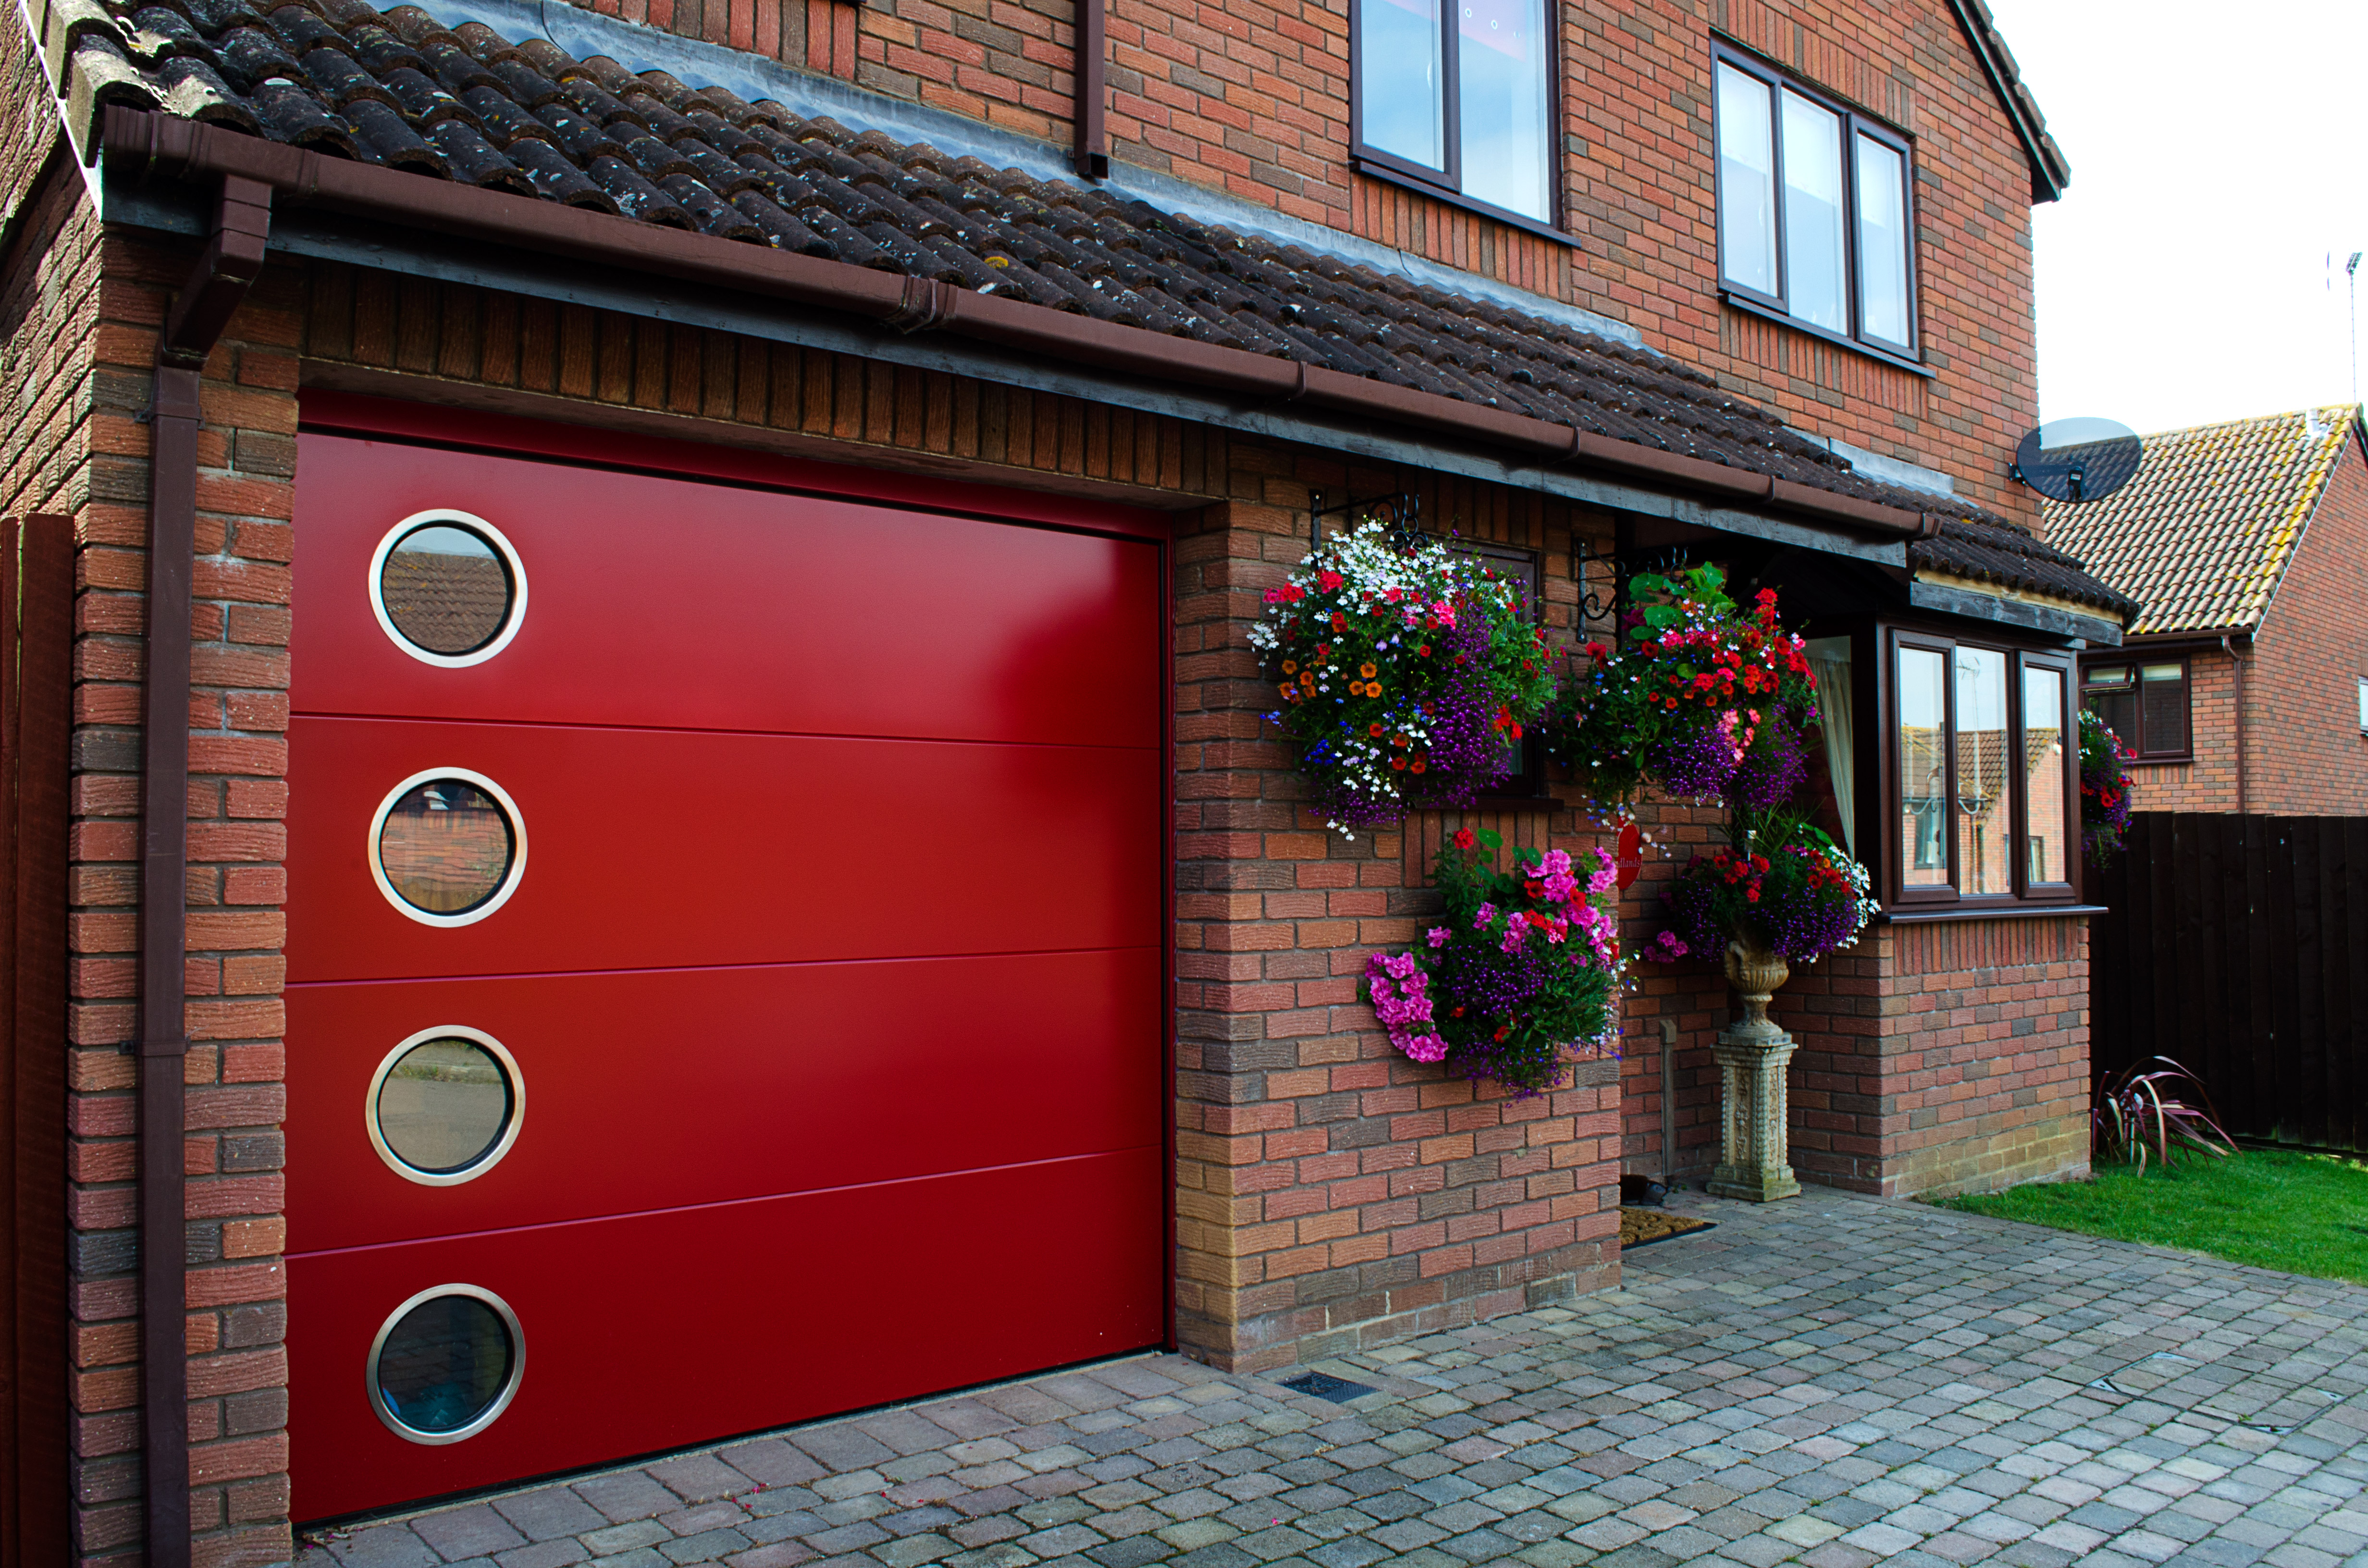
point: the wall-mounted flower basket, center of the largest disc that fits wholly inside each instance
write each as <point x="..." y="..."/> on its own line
<point x="2105" y="791"/>
<point x="1519" y="974"/>
<point x="1404" y="672"/>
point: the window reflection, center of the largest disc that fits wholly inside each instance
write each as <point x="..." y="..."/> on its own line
<point x="1814" y="281"/>
<point x="1402" y="86"/>
<point x="1923" y="769"/>
<point x="1883" y="241"/>
<point x="444" y="1365"/>
<point x="445" y="847"/>
<point x="1985" y="795"/>
<point x="1501" y="78"/>
<point x="443" y="1104"/>
<point x="2045" y="761"/>
<point x="446" y="588"/>
<point x="1747" y="181"/>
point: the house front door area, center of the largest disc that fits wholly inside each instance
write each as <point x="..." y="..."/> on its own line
<point x="725" y="935"/>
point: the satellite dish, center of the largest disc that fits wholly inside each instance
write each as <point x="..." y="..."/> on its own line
<point x="2078" y="460"/>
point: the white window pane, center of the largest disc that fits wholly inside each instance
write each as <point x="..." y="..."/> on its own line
<point x="1882" y="240"/>
<point x="2363" y="707"/>
<point x="1501" y="67"/>
<point x="1985" y="788"/>
<point x="1402" y="83"/>
<point x="1814" y="282"/>
<point x="1747" y="181"/>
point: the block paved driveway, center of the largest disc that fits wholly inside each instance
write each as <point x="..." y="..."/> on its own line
<point x="1831" y="1380"/>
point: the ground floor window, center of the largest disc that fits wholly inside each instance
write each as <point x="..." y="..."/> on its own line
<point x="2144" y="702"/>
<point x="1981" y="757"/>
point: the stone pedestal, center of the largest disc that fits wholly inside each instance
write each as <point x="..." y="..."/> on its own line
<point x="1753" y="1055"/>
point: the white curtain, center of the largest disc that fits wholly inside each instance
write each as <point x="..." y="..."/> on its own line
<point x="1830" y="660"/>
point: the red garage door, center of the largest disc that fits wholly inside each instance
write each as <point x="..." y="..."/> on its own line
<point x="724" y="953"/>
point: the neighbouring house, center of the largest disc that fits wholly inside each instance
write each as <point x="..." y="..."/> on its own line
<point x="724" y="863"/>
<point x="2242" y="685"/>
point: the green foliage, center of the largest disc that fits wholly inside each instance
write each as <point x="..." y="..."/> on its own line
<point x="2303" y="1213"/>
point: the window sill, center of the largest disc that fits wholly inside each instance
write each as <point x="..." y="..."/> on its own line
<point x="2186" y="761"/>
<point x="1752" y="307"/>
<point x="1388" y="175"/>
<point x="1911" y="916"/>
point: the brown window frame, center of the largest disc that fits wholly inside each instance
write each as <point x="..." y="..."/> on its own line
<point x="2023" y="890"/>
<point x="1447" y="185"/>
<point x="1855" y="122"/>
<point x="2135" y="662"/>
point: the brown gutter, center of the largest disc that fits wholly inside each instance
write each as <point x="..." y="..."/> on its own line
<point x="232" y="258"/>
<point x="142" y="142"/>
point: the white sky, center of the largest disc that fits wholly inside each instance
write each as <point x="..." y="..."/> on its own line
<point x="2216" y="161"/>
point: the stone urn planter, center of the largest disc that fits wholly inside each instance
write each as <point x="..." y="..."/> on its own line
<point x="1754" y="1058"/>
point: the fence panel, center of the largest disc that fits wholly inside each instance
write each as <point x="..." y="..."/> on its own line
<point x="2237" y="946"/>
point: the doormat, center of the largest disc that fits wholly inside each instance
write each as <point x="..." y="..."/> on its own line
<point x="1643" y="1227"/>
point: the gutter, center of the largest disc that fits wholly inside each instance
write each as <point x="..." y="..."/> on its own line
<point x="2237" y="676"/>
<point x="231" y="259"/>
<point x="147" y="145"/>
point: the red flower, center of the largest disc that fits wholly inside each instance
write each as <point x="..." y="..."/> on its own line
<point x="1463" y="839"/>
<point x="1331" y="580"/>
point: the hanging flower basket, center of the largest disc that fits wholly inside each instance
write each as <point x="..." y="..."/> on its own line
<point x="2105" y="791"/>
<point x="1783" y="887"/>
<point x="1521" y="969"/>
<point x="1404" y="672"/>
<point x="1698" y="699"/>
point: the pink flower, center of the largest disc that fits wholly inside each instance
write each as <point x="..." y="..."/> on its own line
<point x="1437" y="936"/>
<point x="1483" y="915"/>
<point x="1426" y="1048"/>
<point x="1514" y="933"/>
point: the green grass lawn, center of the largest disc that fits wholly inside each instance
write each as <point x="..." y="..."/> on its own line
<point x="2301" y="1213"/>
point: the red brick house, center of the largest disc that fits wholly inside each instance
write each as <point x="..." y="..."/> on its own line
<point x="2242" y="685"/>
<point x="706" y="556"/>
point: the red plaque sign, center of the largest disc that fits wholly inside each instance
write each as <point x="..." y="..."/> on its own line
<point x="1630" y="859"/>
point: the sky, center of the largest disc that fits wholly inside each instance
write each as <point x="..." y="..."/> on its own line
<point x="2216" y="164"/>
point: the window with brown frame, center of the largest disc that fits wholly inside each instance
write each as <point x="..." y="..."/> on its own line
<point x="1983" y="801"/>
<point x="2145" y="703"/>
<point x="1468" y="112"/>
<point x="1816" y="209"/>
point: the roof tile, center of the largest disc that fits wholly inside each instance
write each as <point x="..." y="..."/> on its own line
<point x="2205" y="531"/>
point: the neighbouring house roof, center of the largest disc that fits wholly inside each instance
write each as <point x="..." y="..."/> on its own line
<point x="2206" y="528"/>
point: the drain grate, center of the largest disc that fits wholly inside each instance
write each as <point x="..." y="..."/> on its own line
<point x="1324" y="1385"/>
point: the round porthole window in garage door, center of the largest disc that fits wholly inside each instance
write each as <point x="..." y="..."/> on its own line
<point x="445" y="1364"/>
<point x="445" y="1106"/>
<point x="446" y="847"/>
<point x="448" y="587"/>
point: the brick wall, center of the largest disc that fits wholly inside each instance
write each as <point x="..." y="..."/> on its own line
<point x="2305" y="754"/>
<point x="1332" y="1193"/>
<point x="80" y="342"/>
<point x="2208" y="783"/>
<point x="1930" y="1057"/>
<point x="1253" y="97"/>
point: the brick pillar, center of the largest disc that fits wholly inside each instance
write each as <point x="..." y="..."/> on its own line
<point x="237" y="715"/>
<point x="1330" y="1193"/>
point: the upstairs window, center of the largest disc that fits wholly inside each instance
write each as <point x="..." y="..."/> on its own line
<point x="1815" y="217"/>
<point x="2145" y="704"/>
<point x="1466" y="110"/>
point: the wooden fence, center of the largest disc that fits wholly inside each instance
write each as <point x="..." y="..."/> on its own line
<point x="2237" y="946"/>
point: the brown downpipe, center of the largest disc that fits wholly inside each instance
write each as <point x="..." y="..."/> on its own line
<point x="232" y="258"/>
<point x="1091" y="68"/>
<point x="142" y="142"/>
<point x="2237" y="680"/>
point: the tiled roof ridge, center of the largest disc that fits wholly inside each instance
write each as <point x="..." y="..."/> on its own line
<point x="2012" y="557"/>
<point x="2206" y="530"/>
<point x="398" y="88"/>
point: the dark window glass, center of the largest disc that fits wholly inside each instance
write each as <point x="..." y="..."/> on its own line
<point x="2162" y="708"/>
<point x="444" y="1105"/>
<point x="1981" y="760"/>
<point x="1524" y="773"/>
<point x="446" y="846"/>
<point x="444" y="1364"/>
<point x="446" y="588"/>
<point x="2145" y="705"/>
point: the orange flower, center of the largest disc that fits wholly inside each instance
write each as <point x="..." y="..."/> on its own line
<point x="1290" y="666"/>
<point x="1368" y="671"/>
<point x="1375" y="730"/>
